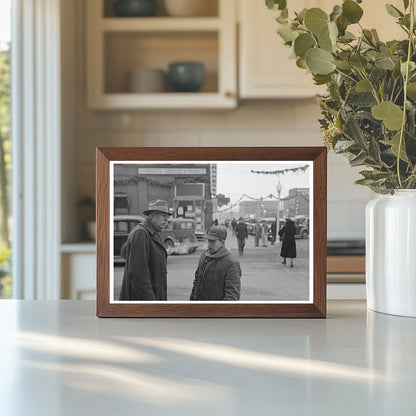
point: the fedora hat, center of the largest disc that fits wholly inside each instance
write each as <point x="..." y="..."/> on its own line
<point x="157" y="205"/>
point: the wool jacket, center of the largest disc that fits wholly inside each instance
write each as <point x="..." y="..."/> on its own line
<point x="218" y="277"/>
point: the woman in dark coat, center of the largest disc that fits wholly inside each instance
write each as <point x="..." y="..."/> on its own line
<point x="288" y="233"/>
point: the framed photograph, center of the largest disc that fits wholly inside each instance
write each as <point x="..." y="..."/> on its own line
<point x="211" y="232"/>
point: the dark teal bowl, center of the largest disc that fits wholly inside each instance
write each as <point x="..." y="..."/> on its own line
<point x="186" y="76"/>
<point x="135" y="8"/>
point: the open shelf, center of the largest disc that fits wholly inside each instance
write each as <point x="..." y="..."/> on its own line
<point x="118" y="45"/>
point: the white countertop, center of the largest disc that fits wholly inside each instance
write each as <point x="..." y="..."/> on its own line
<point x="57" y="358"/>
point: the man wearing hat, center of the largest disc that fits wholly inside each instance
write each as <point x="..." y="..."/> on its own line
<point x="146" y="257"/>
<point x="218" y="276"/>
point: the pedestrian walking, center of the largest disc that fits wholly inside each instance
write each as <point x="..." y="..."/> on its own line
<point x="273" y="229"/>
<point x="145" y="272"/>
<point x="241" y="233"/>
<point x="288" y="249"/>
<point x="257" y="234"/>
<point x="233" y="225"/>
<point x="218" y="276"/>
<point x="263" y="233"/>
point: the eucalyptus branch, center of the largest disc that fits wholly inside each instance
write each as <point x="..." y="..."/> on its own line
<point x="406" y="79"/>
<point x="374" y="92"/>
<point x="345" y="75"/>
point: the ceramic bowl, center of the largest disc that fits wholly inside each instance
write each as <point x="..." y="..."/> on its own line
<point x="191" y="8"/>
<point x="135" y="8"/>
<point x="186" y="76"/>
<point x="147" y="80"/>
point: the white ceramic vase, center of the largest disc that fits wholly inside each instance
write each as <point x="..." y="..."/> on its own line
<point x="391" y="253"/>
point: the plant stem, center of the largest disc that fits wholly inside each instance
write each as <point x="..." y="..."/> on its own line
<point x="405" y="81"/>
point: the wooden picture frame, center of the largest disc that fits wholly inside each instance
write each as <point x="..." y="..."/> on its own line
<point x="289" y="160"/>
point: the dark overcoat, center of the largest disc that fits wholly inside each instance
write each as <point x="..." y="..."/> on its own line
<point x="145" y="273"/>
<point x="241" y="231"/>
<point x="288" y="233"/>
<point x="218" y="277"/>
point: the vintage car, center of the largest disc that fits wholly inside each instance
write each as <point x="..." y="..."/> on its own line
<point x="179" y="235"/>
<point x="302" y="227"/>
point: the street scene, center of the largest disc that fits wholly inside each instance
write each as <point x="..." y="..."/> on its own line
<point x="265" y="204"/>
<point x="264" y="278"/>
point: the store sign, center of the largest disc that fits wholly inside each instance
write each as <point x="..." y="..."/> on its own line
<point x="172" y="171"/>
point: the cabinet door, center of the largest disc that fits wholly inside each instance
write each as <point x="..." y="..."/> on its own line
<point x="265" y="69"/>
<point x="264" y="66"/>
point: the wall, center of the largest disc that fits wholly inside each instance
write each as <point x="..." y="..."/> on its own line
<point x="253" y="123"/>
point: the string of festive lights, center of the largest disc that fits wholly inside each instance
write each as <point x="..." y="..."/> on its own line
<point x="282" y="171"/>
<point x="262" y="198"/>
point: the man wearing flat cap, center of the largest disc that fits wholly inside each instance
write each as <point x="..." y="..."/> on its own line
<point x="218" y="276"/>
<point x="145" y="273"/>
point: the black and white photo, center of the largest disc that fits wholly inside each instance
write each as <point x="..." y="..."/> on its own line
<point x="165" y="216"/>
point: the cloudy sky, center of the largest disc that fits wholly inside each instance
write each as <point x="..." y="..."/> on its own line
<point x="235" y="179"/>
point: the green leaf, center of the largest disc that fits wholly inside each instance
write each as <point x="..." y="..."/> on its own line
<point x="301" y="15"/>
<point x="395" y="141"/>
<point x="384" y="62"/>
<point x="285" y="13"/>
<point x="359" y="160"/>
<point x="301" y="63"/>
<point x="276" y="4"/>
<point x="374" y="175"/>
<point x="303" y="43"/>
<point x="375" y="35"/>
<point x="363" y="86"/>
<point x="325" y="42"/>
<point x="287" y="33"/>
<point x="393" y="11"/>
<point x="336" y="12"/>
<point x="333" y="32"/>
<point x="365" y="182"/>
<point x="368" y="36"/>
<point x="358" y="61"/>
<point x="411" y="90"/>
<point x="412" y="67"/>
<point x="319" y="61"/>
<point x="391" y="114"/>
<point x="351" y="11"/>
<point x="345" y="65"/>
<point x="316" y="20"/>
<point x="347" y="37"/>
<point x="321" y="79"/>
<point x="342" y="25"/>
<point x="343" y="145"/>
<point x="354" y="132"/>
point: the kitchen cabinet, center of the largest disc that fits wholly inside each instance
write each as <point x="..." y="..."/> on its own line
<point x="118" y="45"/>
<point x="78" y="269"/>
<point x="265" y="70"/>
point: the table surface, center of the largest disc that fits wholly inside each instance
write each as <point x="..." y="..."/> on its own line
<point x="57" y="358"/>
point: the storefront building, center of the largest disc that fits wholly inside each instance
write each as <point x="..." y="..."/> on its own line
<point x="187" y="188"/>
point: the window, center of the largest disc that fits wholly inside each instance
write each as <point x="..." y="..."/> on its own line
<point x="5" y="147"/>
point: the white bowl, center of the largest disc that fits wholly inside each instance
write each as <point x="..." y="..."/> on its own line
<point x="191" y="8"/>
<point x="147" y="80"/>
